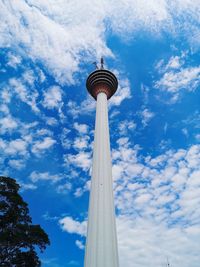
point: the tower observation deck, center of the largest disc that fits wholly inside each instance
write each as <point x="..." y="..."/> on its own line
<point x="102" y="81"/>
<point x="101" y="243"/>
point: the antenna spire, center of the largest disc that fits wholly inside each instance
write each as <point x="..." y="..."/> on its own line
<point x="102" y="63"/>
<point x="168" y="265"/>
<point x="95" y="64"/>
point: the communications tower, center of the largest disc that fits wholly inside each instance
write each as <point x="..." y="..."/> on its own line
<point x="101" y="243"/>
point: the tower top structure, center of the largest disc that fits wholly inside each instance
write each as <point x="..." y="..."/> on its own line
<point x="101" y="245"/>
<point x="101" y="80"/>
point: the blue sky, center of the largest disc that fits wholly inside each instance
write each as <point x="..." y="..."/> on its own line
<point x="47" y="122"/>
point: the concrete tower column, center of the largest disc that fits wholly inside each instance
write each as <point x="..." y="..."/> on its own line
<point x="101" y="244"/>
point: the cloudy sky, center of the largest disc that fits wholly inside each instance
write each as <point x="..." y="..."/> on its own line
<point x="47" y="121"/>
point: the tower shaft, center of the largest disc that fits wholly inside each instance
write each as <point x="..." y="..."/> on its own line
<point x="101" y="245"/>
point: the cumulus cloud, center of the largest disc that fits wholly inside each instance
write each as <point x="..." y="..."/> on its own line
<point x="8" y="124"/>
<point x="146" y="116"/>
<point x="81" y="143"/>
<point x="14" y="147"/>
<point x="44" y="176"/>
<point x="26" y="186"/>
<point x="79" y="244"/>
<point x="51" y="121"/>
<point x="17" y="163"/>
<point x="5" y="96"/>
<point x="64" y="188"/>
<point x="41" y="145"/>
<point x="186" y="78"/>
<point x="174" y="63"/>
<point x="139" y="239"/>
<point x="159" y="181"/>
<point x="13" y="60"/>
<point x="62" y="40"/>
<point x="72" y="226"/>
<point x="87" y="106"/>
<point x="81" y="190"/>
<point x="81" y="128"/>
<point x="53" y="98"/>
<point x="126" y="125"/>
<point x="158" y="202"/>
<point x="26" y="94"/>
<point x="70" y="29"/>
<point x="81" y="160"/>
<point x="176" y="76"/>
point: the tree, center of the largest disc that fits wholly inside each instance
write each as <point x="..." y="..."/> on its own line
<point x="18" y="236"/>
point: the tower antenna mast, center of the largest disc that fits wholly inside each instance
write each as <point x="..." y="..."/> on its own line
<point x="102" y="63"/>
<point x="168" y="265"/>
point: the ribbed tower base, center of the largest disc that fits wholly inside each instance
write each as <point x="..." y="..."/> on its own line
<point x="101" y="245"/>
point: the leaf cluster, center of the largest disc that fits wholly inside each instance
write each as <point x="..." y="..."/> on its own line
<point x="18" y="236"/>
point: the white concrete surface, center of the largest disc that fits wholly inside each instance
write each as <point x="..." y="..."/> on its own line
<point x="101" y="245"/>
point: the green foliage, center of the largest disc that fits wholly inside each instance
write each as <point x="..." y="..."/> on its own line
<point x="18" y="236"/>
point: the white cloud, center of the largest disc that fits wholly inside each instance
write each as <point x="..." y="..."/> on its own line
<point x="72" y="226"/>
<point x="5" y="95"/>
<point x="49" y="217"/>
<point x="13" y="60"/>
<point x="146" y="115"/>
<point x="41" y="145"/>
<point x="151" y="13"/>
<point x="126" y="125"/>
<point x="65" y="140"/>
<point x="64" y="188"/>
<point x="186" y="78"/>
<point x="51" y="121"/>
<point x="14" y="147"/>
<point x="160" y="180"/>
<point x="43" y="132"/>
<point x="26" y="186"/>
<point x="16" y="151"/>
<point x="79" y="244"/>
<point x="44" y="176"/>
<point x="63" y="39"/>
<point x="193" y="120"/>
<point x="72" y="29"/>
<point x="8" y="124"/>
<point x="176" y="76"/>
<point x="81" y="128"/>
<point x="87" y="106"/>
<point x="17" y="163"/>
<point x="29" y="77"/>
<point x="139" y="239"/>
<point x="81" y="160"/>
<point x="81" y="190"/>
<point x="174" y="63"/>
<point x="53" y="98"/>
<point x="25" y="93"/>
<point x="185" y="132"/>
<point x="81" y="143"/>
